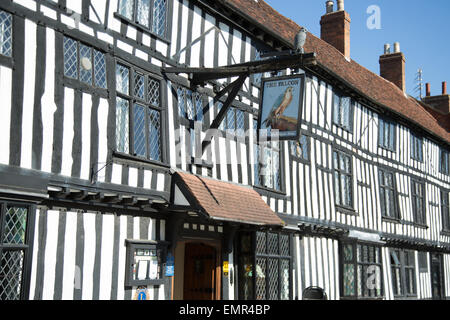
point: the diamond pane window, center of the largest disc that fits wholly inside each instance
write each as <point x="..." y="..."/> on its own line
<point x="154" y="92"/>
<point x="99" y="69"/>
<point x="260" y="278"/>
<point x="15" y="225"/>
<point x="155" y="135"/>
<point x="85" y="60"/>
<point x="142" y="16"/>
<point x="300" y="148"/>
<point x="139" y="130"/>
<point x="190" y="105"/>
<point x="139" y="86"/>
<point x="14" y="249"/>
<point x="122" y="125"/>
<point x="273" y="279"/>
<point x="343" y="112"/>
<point x="122" y="79"/>
<point x="159" y="17"/>
<point x="126" y="8"/>
<point x="70" y="58"/>
<point x="5" y="34"/>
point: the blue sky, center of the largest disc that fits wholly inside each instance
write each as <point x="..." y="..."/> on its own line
<point x="420" y="26"/>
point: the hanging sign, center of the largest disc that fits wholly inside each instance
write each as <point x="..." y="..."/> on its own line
<point x="281" y="107"/>
<point x="170" y="265"/>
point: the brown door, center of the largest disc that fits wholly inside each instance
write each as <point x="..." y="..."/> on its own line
<point x="199" y="272"/>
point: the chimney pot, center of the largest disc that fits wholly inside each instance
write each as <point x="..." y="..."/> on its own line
<point x="444" y="87"/>
<point x="387" y="48"/>
<point x="397" y="47"/>
<point x="335" y="29"/>
<point x="340" y="5"/>
<point x="428" y="89"/>
<point x="330" y="5"/>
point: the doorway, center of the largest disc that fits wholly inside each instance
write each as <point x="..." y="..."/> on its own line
<point x="436" y="277"/>
<point x="201" y="272"/>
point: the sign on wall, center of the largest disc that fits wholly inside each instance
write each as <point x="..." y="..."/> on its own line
<point x="281" y="107"/>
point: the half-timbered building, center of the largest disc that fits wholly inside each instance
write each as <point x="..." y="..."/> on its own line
<point x="112" y="185"/>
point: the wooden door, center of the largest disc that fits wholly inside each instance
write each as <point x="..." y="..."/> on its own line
<point x="199" y="272"/>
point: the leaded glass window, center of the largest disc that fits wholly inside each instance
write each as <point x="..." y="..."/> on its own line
<point x="14" y="250"/>
<point x="343" y="112"/>
<point x="418" y="201"/>
<point x="388" y="194"/>
<point x="138" y="113"/>
<point x="444" y="161"/>
<point x="300" y="149"/>
<point x="233" y="122"/>
<point x="343" y="179"/>
<point x="416" y="148"/>
<point x="83" y="63"/>
<point x="386" y="134"/>
<point x="149" y="14"/>
<point x="190" y="104"/>
<point x="361" y="267"/>
<point x="6" y="29"/>
<point x="445" y="210"/>
<point x="403" y="273"/>
<point x="270" y="274"/>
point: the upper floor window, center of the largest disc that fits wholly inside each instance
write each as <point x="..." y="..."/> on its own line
<point x="386" y="134"/>
<point x="343" y="112"/>
<point x="300" y="149"/>
<point x="403" y="272"/>
<point x="84" y="63"/>
<point x="6" y="28"/>
<point x="190" y="104"/>
<point x="14" y="250"/>
<point x="445" y="210"/>
<point x="267" y="163"/>
<point x="361" y="267"/>
<point x="418" y="201"/>
<point x="150" y="14"/>
<point x="343" y="179"/>
<point x="388" y="194"/>
<point x="416" y="148"/>
<point x="234" y="120"/>
<point x="138" y="113"/>
<point x="443" y="161"/>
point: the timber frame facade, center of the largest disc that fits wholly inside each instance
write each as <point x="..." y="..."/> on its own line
<point x="103" y="117"/>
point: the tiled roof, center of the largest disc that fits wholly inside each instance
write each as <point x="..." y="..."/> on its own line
<point x="227" y="201"/>
<point x="373" y="86"/>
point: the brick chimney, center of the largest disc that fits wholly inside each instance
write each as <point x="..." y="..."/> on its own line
<point x="335" y="27"/>
<point x="392" y="66"/>
<point x="441" y="102"/>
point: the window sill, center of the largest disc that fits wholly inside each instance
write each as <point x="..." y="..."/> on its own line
<point x="386" y="149"/>
<point x="268" y="190"/>
<point x="348" y="130"/>
<point x="7" y="61"/>
<point x="129" y="157"/>
<point x="140" y="27"/>
<point x="445" y="232"/>
<point x="346" y="210"/>
<point x="420" y="225"/>
<point x="201" y="163"/>
<point x="390" y="219"/>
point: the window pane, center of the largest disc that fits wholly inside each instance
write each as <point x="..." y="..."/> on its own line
<point x="349" y="280"/>
<point x="346" y="112"/>
<point x="348" y="252"/>
<point x="11" y="269"/>
<point x="240" y="122"/>
<point x="159" y="17"/>
<point x="273" y="279"/>
<point x="139" y="86"/>
<point x="126" y="8"/>
<point x="245" y="273"/>
<point x="261" y="270"/>
<point x="122" y="125"/>
<point x="272" y="242"/>
<point x="5" y="34"/>
<point x="155" y="134"/>
<point x="122" y="79"/>
<point x="181" y="102"/>
<point x="15" y="225"/>
<point x="140" y="144"/>
<point x="284" y="268"/>
<point x="189" y="105"/>
<point x="261" y="242"/>
<point x="70" y="58"/>
<point x="86" y="64"/>
<point x="100" y="69"/>
<point x="198" y="107"/>
<point x="256" y="165"/>
<point x="143" y="12"/>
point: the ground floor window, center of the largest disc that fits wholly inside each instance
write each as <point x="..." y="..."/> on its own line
<point x="361" y="271"/>
<point x="14" y="250"/>
<point x="403" y="272"/>
<point x="264" y="264"/>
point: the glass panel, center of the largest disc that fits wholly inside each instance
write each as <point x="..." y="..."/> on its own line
<point x="273" y="279"/>
<point x="256" y="165"/>
<point x="240" y="122"/>
<point x="155" y="135"/>
<point x="147" y="264"/>
<point x="337" y="188"/>
<point x="284" y="294"/>
<point x="261" y="242"/>
<point x="272" y="243"/>
<point x="139" y="85"/>
<point x="348" y="252"/>
<point x="11" y="269"/>
<point x="126" y="8"/>
<point x="159" y="17"/>
<point x="70" y="58"/>
<point x="349" y="280"/>
<point x="100" y="69"/>
<point x="346" y="112"/>
<point x="276" y="170"/>
<point x="261" y="270"/>
<point x="86" y="64"/>
<point x="122" y="125"/>
<point x="5" y="34"/>
<point x="231" y="121"/>
<point x="284" y="245"/>
<point x="181" y="102"/>
<point x="189" y="105"/>
<point x="140" y="144"/>
<point x="122" y="79"/>
<point x="245" y="272"/>
<point x="15" y="225"/>
<point x="143" y="12"/>
<point x="198" y="101"/>
<point x="153" y="92"/>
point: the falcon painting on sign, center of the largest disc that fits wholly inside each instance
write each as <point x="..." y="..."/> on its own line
<point x="281" y="106"/>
